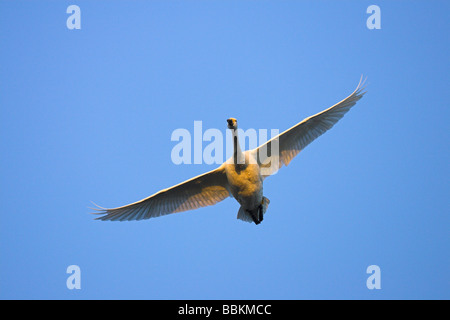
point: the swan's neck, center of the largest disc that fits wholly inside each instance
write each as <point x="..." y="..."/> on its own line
<point x="238" y="156"/>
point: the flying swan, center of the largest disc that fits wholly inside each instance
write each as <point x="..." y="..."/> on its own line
<point x="241" y="176"/>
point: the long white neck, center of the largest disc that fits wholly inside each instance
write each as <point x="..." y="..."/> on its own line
<point x="238" y="156"/>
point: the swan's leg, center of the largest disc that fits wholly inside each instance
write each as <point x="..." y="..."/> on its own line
<point x="255" y="215"/>
<point x="260" y="213"/>
<point x="261" y="210"/>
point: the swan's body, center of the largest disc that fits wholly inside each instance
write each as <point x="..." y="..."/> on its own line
<point x="246" y="186"/>
<point x="241" y="176"/>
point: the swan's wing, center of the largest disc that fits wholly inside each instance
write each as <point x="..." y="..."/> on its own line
<point x="201" y="191"/>
<point x="295" y="139"/>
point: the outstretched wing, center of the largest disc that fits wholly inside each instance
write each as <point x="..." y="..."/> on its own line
<point x="201" y="191"/>
<point x="295" y="139"/>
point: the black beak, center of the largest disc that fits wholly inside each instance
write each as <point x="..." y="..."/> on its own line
<point x="230" y="122"/>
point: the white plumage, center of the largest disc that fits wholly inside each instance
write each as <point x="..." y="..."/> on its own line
<point x="241" y="176"/>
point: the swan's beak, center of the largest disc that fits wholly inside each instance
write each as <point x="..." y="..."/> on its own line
<point x="231" y="123"/>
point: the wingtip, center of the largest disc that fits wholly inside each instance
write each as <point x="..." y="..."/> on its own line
<point x="360" y="90"/>
<point x="98" y="208"/>
<point x="361" y="85"/>
<point x="99" y="211"/>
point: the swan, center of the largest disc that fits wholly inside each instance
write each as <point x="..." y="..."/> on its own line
<point x="241" y="176"/>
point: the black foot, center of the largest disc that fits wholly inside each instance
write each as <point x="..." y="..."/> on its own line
<point x="260" y="213"/>
<point x="257" y="215"/>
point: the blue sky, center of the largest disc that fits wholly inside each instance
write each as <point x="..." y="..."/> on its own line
<point x="87" y="115"/>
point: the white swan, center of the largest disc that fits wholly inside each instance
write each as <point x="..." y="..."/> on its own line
<point x="241" y="176"/>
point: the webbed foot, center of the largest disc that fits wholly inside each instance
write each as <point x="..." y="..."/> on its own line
<point x="257" y="214"/>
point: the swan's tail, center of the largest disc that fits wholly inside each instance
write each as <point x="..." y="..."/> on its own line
<point x="265" y="204"/>
<point x="244" y="215"/>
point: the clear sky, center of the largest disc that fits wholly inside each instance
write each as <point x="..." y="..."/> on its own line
<point x="87" y="115"/>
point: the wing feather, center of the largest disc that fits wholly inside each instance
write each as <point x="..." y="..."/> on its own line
<point x="295" y="139"/>
<point x="201" y="191"/>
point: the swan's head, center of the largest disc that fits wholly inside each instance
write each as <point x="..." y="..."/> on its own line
<point x="232" y="123"/>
